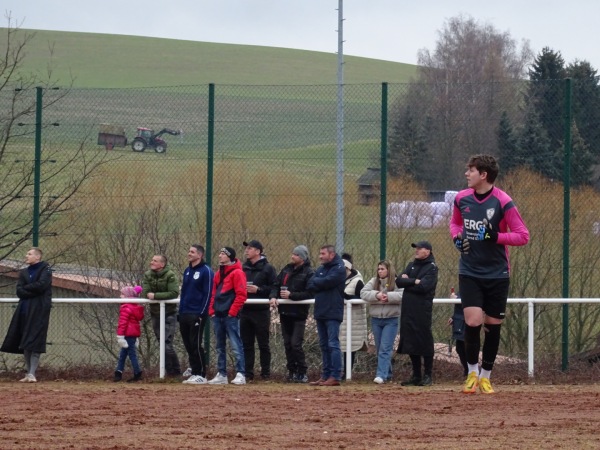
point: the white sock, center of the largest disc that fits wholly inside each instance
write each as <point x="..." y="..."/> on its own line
<point x="485" y="374"/>
<point x="473" y="368"/>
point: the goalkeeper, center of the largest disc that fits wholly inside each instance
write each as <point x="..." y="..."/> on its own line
<point x="485" y="221"/>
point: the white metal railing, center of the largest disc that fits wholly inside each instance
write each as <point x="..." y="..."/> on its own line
<point x="531" y="302"/>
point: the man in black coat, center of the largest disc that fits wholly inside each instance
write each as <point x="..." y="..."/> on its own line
<point x="28" y="328"/>
<point x="291" y="285"/>
<point x="255" y="320"/>
<point x="419" y="281"/>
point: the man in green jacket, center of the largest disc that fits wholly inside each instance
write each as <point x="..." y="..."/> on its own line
<point x="161" y="283"/>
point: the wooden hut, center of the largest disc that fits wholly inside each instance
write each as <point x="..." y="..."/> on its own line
<point x="369" y="186"/>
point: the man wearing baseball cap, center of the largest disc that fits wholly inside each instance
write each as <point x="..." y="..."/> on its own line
<point x="419" y="281"/>
<point x="255" y="320"/>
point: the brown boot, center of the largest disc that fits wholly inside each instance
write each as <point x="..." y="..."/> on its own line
<point x="330" y="382"/>
<point x="318" y="382"/>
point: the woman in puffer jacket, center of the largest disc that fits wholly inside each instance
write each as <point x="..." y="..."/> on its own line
<point x="384" y="300"/>
<point x="353" y="285"/>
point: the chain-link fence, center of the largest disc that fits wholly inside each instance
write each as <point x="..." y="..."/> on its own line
<point x="263" y="162"/>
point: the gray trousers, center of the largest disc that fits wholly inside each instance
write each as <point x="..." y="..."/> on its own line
<point x="171" y="361"/>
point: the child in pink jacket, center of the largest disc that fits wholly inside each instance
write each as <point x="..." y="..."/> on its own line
<point x="128" y="330"/>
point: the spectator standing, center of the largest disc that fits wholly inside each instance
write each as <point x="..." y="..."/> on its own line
<point x="228" y="297"/>
<point x="385" y="301"/>
<point x="457" y="321"/>
<point x="352" y="287"/>
<point x="28" y="327"/>
<point x="484" y="222"/>
<point x="419" y="281"/>
<point x="194" y="300"/>
<point x="255" y="320"/>
<point x="291" y="284"/>
<point x="328" y="287"/>
<point x="161" y="283"/>
<point x="128" y="332"/>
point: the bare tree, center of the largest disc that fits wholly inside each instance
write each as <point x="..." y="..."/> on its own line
<point x="464" y="85"/>
<point x="65" y="166"/>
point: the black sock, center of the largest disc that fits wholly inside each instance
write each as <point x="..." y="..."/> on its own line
<point x="491" y="344"/>
<point x="472" y="343"/>
<point x="460" y="349"/>
<point x="416" y="365"/>
<point x="428" y="365"/>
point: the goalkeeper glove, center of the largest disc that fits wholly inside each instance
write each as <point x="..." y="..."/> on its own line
<point x="462" y="245"/>
<point x="486" y="233"/>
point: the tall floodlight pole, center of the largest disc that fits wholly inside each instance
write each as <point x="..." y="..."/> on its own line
<point x="340" y="132"/>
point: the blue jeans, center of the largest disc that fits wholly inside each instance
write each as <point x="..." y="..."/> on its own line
<point x="228" y="327"/>
<point x="384" y="331"/>
<point x="132" y="353"/>
<point x="329" y="341"/>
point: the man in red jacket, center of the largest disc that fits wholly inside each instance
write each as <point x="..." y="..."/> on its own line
<point x="228" y="297"/>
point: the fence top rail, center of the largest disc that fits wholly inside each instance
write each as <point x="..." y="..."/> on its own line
<point x="304" y="302"/>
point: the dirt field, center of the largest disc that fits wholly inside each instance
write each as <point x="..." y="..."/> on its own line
<point x="357" y="415"/>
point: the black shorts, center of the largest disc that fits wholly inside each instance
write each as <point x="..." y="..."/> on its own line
<point x="489" y="294"/>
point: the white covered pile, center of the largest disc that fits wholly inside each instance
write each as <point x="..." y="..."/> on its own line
<point x="409" y="214"/>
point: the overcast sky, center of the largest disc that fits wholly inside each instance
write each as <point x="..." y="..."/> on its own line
<point x="393" y="30"/>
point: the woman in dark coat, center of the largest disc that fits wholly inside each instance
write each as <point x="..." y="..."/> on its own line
<point x="419" y="281"/>
<point x="28" y="328"/>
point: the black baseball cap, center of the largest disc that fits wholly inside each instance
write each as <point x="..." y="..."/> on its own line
<point x="422" y="244"/>
<point x="254" y="244"/>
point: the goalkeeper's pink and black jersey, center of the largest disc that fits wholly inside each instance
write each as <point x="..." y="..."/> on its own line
<point x="487" y="259"/>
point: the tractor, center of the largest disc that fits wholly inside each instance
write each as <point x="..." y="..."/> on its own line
<point x="147" y="139"/>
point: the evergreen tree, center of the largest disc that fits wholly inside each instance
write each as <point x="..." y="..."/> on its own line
<point x="586" y="103"/>
<point x="403" y="148"/>
<point x="424" y="155"/>
<point x="581" y="159"/>
<point x="508" y="148"/>
<point x="535" y="144"/>
<point x="546" y="93"/>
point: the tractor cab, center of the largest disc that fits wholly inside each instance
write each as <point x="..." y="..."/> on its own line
<point x="145" y="133"/>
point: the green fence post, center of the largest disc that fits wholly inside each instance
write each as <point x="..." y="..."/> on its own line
<point x="37" y="168"/>
<point x="209" y="194"/>
<point x="566" y="222"/>
<point x="383" y="174"/>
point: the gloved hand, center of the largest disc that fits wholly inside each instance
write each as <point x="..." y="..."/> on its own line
<point x="137" y="342"/>
<point x="486" y="233"/>
<point x="122" y="342"/>
<point x="462" y="245"/>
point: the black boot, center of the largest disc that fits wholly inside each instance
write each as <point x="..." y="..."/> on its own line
<point x="118" y="376"/>
<point x="414" y="381"/>
<point x="291" y="377"/>
<point x="136" y="377"/>
<point x="426" y="381"/>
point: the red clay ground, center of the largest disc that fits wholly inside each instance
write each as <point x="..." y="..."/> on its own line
<point x="357" y="415"/>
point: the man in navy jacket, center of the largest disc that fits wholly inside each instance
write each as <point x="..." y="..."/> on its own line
<point x="193" y="311"/>
<point x="328" y="286"/>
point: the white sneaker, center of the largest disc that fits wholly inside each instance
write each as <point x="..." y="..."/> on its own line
<point x="218" y="379"/>
<point x="28" y="379"/>
<point x="378" y="380"/>
<point x="188" y="372"/>
<point x="196" y="379"/>
<point x="239" y="379"/>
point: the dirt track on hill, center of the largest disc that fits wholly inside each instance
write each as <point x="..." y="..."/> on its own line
<point x="357" y="415"/>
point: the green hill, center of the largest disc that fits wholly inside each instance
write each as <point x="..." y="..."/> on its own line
<point x="116" y="61"/>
